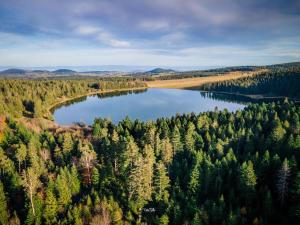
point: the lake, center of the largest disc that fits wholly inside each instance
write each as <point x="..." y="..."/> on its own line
<point x="145" y="105"/>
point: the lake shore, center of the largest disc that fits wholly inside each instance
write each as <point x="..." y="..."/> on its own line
<point x="63" y="100"/>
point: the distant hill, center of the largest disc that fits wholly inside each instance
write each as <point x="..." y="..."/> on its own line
<point x="160" y="70"/>
<point x="63" y="71"/>
<point x="13" y="72"/>
<point x="40" y="71"/>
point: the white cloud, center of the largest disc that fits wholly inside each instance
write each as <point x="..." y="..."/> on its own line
<point x="87" y="30"/>
<point x="101" y="35"/>
<point x="154" y="25"/>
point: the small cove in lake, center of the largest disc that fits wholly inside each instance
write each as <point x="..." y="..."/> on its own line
<point x="148" y="104"/>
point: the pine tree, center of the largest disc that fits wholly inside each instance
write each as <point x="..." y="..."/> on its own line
<point x="96" y="130"/>
<point x="38" y="108"/>
<point x="130" y="154"/>
<point x="197" y="219"/>
<point x="277" y="133"/>
<point x="282" y="184"/>
<point x="4" y="216"/>
<point x="163" y="220"/>
<point x="176" y="140"/>
<point x="21" y="155"/>
<point x="95" y="177"/>
<point x="116" y="150"/>
<point x="149" y="160"/>
<point x="135" y="181"/>
<point x="51" y="206"/>
<point x="58" y="156"/>
<point x="161" y="182"/>
<point x="67" y="144"/>
<point x="73" y="180"/>
<point x="63" y="189"/>
<point x="150" y="135"/>
<point x="189" y="139"/>
<point x="166" y="151"/>
<point x="194" y="183"/>
<point x="247" y="178"/>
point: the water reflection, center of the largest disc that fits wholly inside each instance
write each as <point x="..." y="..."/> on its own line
<point x="147" y="104"/>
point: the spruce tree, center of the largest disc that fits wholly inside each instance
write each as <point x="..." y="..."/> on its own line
<point x="4" y="216"/>
<point x="283" y="181"/>
<point x="51" y="206"/>
<point x="161" y="182"/>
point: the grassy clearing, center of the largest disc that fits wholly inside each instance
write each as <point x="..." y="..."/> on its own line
<point x="198" y="81"/>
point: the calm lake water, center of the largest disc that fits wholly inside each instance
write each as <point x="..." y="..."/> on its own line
<point x="145" y="105"/>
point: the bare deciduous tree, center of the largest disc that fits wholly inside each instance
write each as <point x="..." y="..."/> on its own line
<point x="30" y="182"/>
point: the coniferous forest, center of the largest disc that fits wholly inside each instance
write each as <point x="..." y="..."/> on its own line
<point x="213" y="168"/>
<point x="33" y="98"/>
<point x="278" y="81"/>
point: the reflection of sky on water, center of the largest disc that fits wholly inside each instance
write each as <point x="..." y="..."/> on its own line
<point x="149" y="105"/>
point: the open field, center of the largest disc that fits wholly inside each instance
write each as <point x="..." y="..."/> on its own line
<point x="198" y="81"/>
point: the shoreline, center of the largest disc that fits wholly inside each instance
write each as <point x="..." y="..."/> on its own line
<point x="50" y="108"/>
<point x="253" y="97"/>
<point x="49" y="123"/>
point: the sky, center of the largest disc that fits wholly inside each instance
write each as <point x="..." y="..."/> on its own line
<point x="166" y="33"/>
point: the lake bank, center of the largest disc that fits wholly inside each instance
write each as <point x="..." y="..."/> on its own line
<point x="64" y="100"/>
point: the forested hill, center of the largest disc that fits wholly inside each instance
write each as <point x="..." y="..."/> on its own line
<point x="213" y="168"/>
<point x="32" y="98"/>
<point x="280" y="80"/>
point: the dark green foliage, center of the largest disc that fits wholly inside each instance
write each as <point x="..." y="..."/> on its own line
<point x="33" y="98"/>
<point x="3" y="207"/>
<point x="280" y="81"/>
<point x="213" y="168"/>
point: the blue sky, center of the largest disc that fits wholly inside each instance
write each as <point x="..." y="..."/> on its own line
<point x="165" y="33"/>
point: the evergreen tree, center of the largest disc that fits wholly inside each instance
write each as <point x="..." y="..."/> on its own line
<point x="4" y="216"/>
<point x="63" y="190"/>
<point x="282" y="184"/>
<point x="176" y="140"/>
<point x="21" y="155"/>
<point x="161" y="182"/>
<point x="166" y="151"/>
<point x="149" y="160"/>
<point x="247" y="178"/>
<point x="51" y="206"/>
<point x="189" y="137"/>
<point x="95" y="177"/>
<point x="67" y="144"/>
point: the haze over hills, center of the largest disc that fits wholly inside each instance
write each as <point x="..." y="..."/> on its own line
<point x="137" y="71"/>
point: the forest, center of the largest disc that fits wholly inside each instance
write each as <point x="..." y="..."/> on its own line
<point x="33" y="98"/>
<point x="279" y="81"/>
<point x="212" y="168"/>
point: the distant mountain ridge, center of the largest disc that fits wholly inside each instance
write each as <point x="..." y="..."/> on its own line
<point x="23" y="72"/>
<point x="14" y="71"/>
<point x="160" y="70"/>
<point x="41" y="72"/>
<point x="63" y="71"/>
